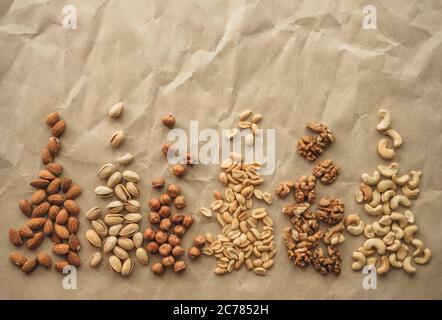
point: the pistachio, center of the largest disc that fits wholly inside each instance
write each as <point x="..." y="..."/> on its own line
<point x="121" y="253"/>
<point x="114" y="207"/>
<point x="127" y="267"/>
<point x="93" y="213"/>
<point x="115" y="263"/>
<point x="117" y="139"/>
<point x="100" y="227"/>
<point x="131" y="176"/>
<point x="142" y="256"/>
<point x="113" y="219"/>
<point x="129" y="230"/>
<point x="109" y="244"/>
<point x="133" y="189"/>
<point x="93" y="238"/>
<point x="114" y="179"/>
<point x="105" y="171"/>
<point x="116" y="110"/>
<point x="103" y="191"/>
<point x="132" y="206"/>
<point x="125" y="159"/>
<point x="95" y="259"/>
<point x="121" y="192"/>
<point x="115" y="229"/>
<point x="137" y="239"/>
<point x="133" y="217"/>
<point x="126" y="243"/>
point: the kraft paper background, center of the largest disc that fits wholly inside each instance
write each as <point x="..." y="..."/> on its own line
<point x="293" y="61"/>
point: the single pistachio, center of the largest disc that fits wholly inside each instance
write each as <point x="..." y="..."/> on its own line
<point x="137" y="239"/>
<point x="113" y="219"/>
<point x="117" y="139"/>
<point x="114" y="207"/>
<point x="105" y="171"/>
<point x="121" y="253"/>
<point x="115" y="229"/>
<point x="125" y="159"/>
<point x="114" y="179"/>
<point x="109" y="244"/>
<point x="132" y="206"/>
<point x="121" y="192"/>
<point x="96" y="259"/>
<point x="142" y="256"/>
<point x="131" y="176"/>
<point x="127" y="267"/>
<point x="115" y="263"/>
<point x="100" y="227"/>
<point x="129" y="230"/>
<point x="93" y="213"/>
<point x="103" y="191"/>
<point x="93" y="238"/>
<point x="133" y="189"/>
<point x="133" y="217"/>
<point x="116" y="110"/>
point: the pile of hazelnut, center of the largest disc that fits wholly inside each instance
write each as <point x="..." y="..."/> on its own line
<point x="167" y="229"/>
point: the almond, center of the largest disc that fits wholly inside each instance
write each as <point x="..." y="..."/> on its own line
<point x="58" y="128"/>
<point x="54" y="186"/>
<point x="25" y="232"/>
<point x="46" y="156"/>
<point x="56" y="199"/>
<point x="60" y="265"/>
<point x="73" y="192"/>
<point x="61" y="231"/>
<point x="73" y="259"/>
<point x="66" y="183"/>
<point x="44" y="259"/>
<point x="29" y="266"/>
<point x="62" y="217"/>
<point x="17" y="259"/>
<point x="36" y="223"/>
<point x="74" y="243"/>
<point x="52" y="118"/>
<point x="55" y="239"/>
<point x="54" y="146"/>
<point x="54" y="168"/>
<point x="15" y="237"/>
<point x="38" y="197"/>
<point x="41" y="209"/>
<point x="60" y="249"/>
<point x="73" y="225"/>
<point x="53" y="211"/>
<point x="47" y="175"/>
<point x="35" y="241"/>
<point x="25" y="207"/>
<point x="39" y="183"/>
<point x="48" y="227"/>
<point x="71" y="207"/>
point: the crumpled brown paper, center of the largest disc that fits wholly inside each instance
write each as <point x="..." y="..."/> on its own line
<point x="293" y="61"/>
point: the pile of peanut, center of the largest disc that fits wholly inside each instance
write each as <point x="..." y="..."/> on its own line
<point x="52" y="211"/>
<point x="387" y="196"/>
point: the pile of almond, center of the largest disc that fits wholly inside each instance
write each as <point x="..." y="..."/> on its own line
<point x="51" y="210"/>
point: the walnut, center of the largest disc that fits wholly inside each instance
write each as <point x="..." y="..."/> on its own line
<point x="309" y="148"/>
<point x="327" y="171"/>
<point x="331" y="210"/>
<point x="284" y="188"/>
<point x="325" y="136"/>
<point x="305" y="189"/>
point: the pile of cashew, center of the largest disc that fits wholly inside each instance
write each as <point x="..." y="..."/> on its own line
<point x="384" y="194"/>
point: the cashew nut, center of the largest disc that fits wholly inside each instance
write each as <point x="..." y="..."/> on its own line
<point x="395" y="246"/>
<point x="409" y="233"/>
<point x="371" y="180"/>
<point x="394" y="262"/>
<point x="408" y="266"/>
<point x="366" y="252"/>
<point x="396" y="216"/>
<point x="352" y="219"/>
<point x="379" y="230"/>
<point x="400" y="181"/>
<point x="366" y="191"/>
<point x="389" y="238"/>
<point x="375" y="243"/>
<point x="385" y="185"/>
<point x="376" y="198"/>
<point x="398" y="230"/>
<point x="410" y="194"/>
<point x="419" y="245"/>
<point x="356" y="230"/>
<point x="385" y="266"/>
<point x="386" y="208"/>
<point x="386" y="120"/>
<point x="402" y="253"/>
<point x="415" y="179"/>
<point x="359" y="196"/>
<point x="368" y="231"/>
<point x="385" y="221"/>
<point x="395" y="136"/>
<point x="389" y="171"/>
<point x="376" y="211"/>
<point x="387" y="195"/>
<point x="425" y="258"/>
<point x="360" y="261"/>
<point x="399" y="200"/>
<point x="372" y="261"/>
<point x="337" y="239"/>
<point x="384" y="151"/>
<point x="409" y="215"/>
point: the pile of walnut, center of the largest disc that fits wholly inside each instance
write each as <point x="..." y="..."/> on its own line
<point x="383" y="194"/>
<point x="303" y="240"/>
<point x="51" y="213"/>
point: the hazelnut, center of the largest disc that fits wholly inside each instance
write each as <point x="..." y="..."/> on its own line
<point x="178" y="170"/>
<point x="152" y="247"/>
<point x="165" y="224"/>
<point x="173" y="190"/>
<point x="189" y="159"/>
<point x="165" y="199"/>
<point x="180" y="202"/>
<point x="165" y="147"/>
<point x="164" y="212"/>
<point x="169" y="120"/>
<point x="165" y="249"/>
<point x="168" y="261"/>
<point x="173" y="240"/>
<point x="199" y="241"/>
<point x="179" y="266"/>
<point x="177" y="218"/>
<point x="161" y="237"/>
<point x="154" y="204"/>
<point x="157" y="268"/>
<point x="158" y="183"/>
<point x="187" y="221"/>
<point x="179" y="230"/>
<point x="149" y="234"/>
<point x="154" y="217"/>
<point x="217" y="195"/>
<point x="177" y="251"/>
<point x="194" y="252"/>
